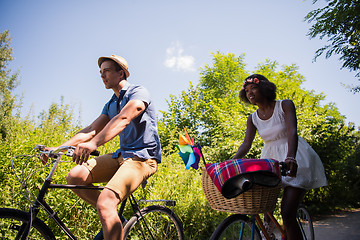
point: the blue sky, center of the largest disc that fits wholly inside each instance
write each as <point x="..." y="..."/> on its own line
<point x="166" y="43"/>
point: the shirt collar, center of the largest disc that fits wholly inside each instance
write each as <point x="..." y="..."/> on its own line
<point x="126" y="86"/>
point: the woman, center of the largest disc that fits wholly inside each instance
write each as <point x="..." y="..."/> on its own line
<point x="276" y="124"/>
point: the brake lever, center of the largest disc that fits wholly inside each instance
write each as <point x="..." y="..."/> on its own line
<point x="71" y="151"/>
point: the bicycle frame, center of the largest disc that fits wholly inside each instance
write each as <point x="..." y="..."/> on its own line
<point x="40" y="202"/>
<point x="255" y="219"/>
<point x="262" y="227"/>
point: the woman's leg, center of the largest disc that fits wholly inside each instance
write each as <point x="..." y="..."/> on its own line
<point x="290" y="202"/>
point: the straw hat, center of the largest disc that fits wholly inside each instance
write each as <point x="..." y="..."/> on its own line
<point x="119" y="60"/>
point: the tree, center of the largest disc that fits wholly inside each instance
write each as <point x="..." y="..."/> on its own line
<point x="8" y="82"/>
<point x="212" y="112"/>
<point x="340" y="22"/>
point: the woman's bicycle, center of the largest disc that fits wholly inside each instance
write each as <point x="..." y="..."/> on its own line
<point x="246" y="223"/>
<point x="240" y="226"/>
<point x="151" y="222"/>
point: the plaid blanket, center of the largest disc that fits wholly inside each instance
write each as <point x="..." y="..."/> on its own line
<point x="235" y="176"/>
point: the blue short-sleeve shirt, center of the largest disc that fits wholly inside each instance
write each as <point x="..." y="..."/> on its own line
<point x="140" y="138"/>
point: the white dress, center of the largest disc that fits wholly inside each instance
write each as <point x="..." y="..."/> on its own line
<point x="310" y="173"/>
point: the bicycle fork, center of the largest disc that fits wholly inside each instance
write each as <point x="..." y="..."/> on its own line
<point x="253" y="229"/>
<point x="25" y="228"/>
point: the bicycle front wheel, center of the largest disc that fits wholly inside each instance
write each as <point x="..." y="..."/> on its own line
<point x="13" y="223"/>
<point x="154" y="222"/>
<point x="305" y="223"/>
<point x="236" y="227"/>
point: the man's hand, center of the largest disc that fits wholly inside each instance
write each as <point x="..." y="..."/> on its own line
<point x="291" y="167"/>
<point x="82" y="152"/>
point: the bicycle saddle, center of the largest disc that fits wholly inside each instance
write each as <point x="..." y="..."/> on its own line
<point x="241" y="183"/>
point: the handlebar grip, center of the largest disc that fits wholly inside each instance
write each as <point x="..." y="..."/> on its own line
<point x="283" y="168"/>
<point x="95" y="153"/>
<point x="71" y="150"/>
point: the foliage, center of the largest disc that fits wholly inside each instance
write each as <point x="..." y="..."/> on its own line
<point x="340" y="22"/>
<point x="209" y="111"/>
<point x="338" y="146"/>
<point x="8" y="82"/>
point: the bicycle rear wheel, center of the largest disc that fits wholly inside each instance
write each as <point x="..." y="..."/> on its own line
<point x="237" y="227"/>
<point x="13" y="222"/>
<point x="154" y="222"/>
<point x="305" y="223"/>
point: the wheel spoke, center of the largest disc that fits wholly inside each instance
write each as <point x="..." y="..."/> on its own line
<point x="305" y="224"/>
<point x="155" y="222"/>
<point x="236" y="227"/>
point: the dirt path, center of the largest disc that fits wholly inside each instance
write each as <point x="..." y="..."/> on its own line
<point x="344" y="225"/>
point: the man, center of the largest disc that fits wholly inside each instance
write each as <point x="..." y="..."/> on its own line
<point x="131" y="115"/>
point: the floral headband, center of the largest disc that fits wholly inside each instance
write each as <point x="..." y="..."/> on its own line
<point x="250" y="80"/>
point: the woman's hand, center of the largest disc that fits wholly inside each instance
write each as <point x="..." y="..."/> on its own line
<point x="291" y="166"/>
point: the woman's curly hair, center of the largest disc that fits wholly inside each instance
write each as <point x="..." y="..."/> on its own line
<point x="266" y="88"/>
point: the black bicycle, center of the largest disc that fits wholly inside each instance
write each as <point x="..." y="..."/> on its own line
<point x="152" y="222"/>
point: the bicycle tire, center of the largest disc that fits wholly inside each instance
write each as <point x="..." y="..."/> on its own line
<point x="13" y="220"/>
<point x="236" y="226"/>
<point x="161" y="221"/>
<point x="305" y="223"/>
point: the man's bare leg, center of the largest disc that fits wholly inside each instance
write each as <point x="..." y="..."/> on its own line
<point x="80" y="175"/>
<point x="106" y="206"/>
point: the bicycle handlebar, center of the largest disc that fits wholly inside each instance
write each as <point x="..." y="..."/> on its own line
<point x="283" y="168"/>
<point x="55" y="153"/>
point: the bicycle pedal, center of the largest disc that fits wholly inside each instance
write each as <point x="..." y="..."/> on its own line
<point x="271" y="235"/>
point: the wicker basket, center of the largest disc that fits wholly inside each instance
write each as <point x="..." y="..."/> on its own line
<point x="257" y="200"/>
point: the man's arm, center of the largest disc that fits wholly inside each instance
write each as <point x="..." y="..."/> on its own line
<point x="89" y="132"/>
<point x="85" y="134"/>
<point x="113" y="128"/>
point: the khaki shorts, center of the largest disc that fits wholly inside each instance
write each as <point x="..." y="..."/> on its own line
<point x="122" y="176"/>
